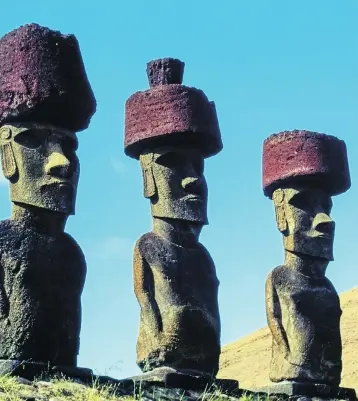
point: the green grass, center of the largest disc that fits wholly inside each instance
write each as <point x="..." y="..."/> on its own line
<point x="60" y="389"/>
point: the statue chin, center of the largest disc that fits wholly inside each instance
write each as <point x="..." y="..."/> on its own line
<point x="197" y="215"/>
<point x="61" y="203"/>
<point x="190" y="218"/>
<point x="321" y="248"/>
<point x="57" y="207"/>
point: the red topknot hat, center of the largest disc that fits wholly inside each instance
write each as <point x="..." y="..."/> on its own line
<point x="170" y="113"/>
<point x="307" y="158"/>
<point x="43" y="79"/>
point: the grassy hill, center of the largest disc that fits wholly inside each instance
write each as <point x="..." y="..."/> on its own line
<point x="247" y="359"/>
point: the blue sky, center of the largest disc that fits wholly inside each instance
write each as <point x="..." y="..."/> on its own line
<point x="269" y="65"/>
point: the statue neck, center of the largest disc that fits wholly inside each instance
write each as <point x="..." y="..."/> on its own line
<point x="307" y="265"/>
<point x="41" y="220"/>
<point x="180" y="232"/>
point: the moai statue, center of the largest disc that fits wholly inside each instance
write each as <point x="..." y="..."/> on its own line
<point x="302" y="170"/>
<point x="171" y="128"/>
<point x="45" y="98"/>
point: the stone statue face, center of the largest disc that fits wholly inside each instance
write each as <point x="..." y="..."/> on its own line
<point x="41" y="164"/>
<point x="175" y="184"/>
<point x="303" y="216"/>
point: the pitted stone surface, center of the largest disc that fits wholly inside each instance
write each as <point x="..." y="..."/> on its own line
<point x="43" y="79"/>
<point x="307" y="391"/>
<point x="185" y="288"/>
<point x="301" y="172"/>
<point x="171" y="128"/>
<point x="165" y="71"/>
<point x="303" y="156"/>
<point x="171" y="114"/>
<point x="45" y="97"/>
<point x="42" y="278"/>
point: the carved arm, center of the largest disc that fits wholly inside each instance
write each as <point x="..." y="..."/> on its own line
<point x="274" y="317"/>
<point x="144" y="290"/>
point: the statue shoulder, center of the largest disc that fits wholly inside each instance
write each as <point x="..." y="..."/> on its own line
<point x="277" y="275"/>
<point x="70" y="240"/>
<point x="72" y="245"/>
<point x="9" y="233"/>
<point x="147" y="242"/>
<point x="11" y="237"/>
<point x="205" y="251"/>
<point x="6" y="226"/>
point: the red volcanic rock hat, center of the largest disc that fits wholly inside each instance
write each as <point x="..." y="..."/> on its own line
<point x="170" y="113"/>
<point x="307" y="158"/>
<point x="43" y="79"/>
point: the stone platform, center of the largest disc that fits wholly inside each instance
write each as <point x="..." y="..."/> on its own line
<point x="319" y="390"/>
<point x="164" y="377"/>
<point x="185" y="379"/>
<point x="30" y="370"/>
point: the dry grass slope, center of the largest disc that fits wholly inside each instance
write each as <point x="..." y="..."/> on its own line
<point x="247" y="359"/>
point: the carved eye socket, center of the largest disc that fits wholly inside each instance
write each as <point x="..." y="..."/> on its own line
<point x="31" y="139"/>
<point x="173" y="160"/>
<point x="302" y="201"/>
<point x="170" y="160"/>
<point x="311" y="201"/>
<point x="70" y="145"/>
<point x="327" y="206"/>
<point x="198" y="165"/>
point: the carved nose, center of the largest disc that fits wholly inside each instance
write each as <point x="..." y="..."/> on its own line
<point x="190" y="183"/>
<point x="58" y="164"/>
<point x="323" y="223"/>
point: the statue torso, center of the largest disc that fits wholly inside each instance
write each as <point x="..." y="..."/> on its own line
<point x="42" y="277"/>
<point x="185" y="292"/>
<point x="311" y="313"/>
<point x="183" y="277"/>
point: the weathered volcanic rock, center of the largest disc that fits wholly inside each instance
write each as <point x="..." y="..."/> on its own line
<point x="170" y="113"/>
<point x="255" y="351"/>
<point x="304" y="155"/>
<point x="43" y="79"/>
<point x="165" y="71"/>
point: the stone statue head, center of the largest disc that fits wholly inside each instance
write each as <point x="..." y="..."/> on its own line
<point x="41" y="164"/>
<point x="301" y="171"/>
<point x="175" y="184"/>
<point x="303" y="217"/>
<point x="46" y="99"/>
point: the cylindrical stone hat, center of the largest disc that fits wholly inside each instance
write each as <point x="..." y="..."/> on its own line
<point x="170" y="113"/>
<point x="307" y="158"/>
<point x="43" y="79"/>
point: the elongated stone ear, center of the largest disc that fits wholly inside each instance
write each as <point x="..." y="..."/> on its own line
<point x="278" y="198"/>
<point x="7" y="155"/>
<point x="149" y="183"/>
<point x="146" y="160"/>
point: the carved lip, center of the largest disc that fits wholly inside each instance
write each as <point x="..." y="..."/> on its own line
<point x="192" y="198"/>
<point x="65" y="184"/>
<point x="326" y="236"/>
<point x="61" y="183"/>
